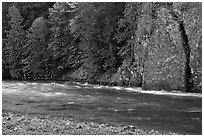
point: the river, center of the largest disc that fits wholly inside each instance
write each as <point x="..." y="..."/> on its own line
<point x="173" y="112"/>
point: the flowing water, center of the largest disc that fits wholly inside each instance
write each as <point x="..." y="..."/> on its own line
<point x="173" y="112"/>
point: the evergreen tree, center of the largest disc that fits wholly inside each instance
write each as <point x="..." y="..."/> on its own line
<point x="62" y="46"/>
<point x="95" y="25"/>
<point x="5" y="63"/>
<point x="82" y="27"/>
<point x="14" y="43"/>
<point x="5" y="18"/>
<point x="36" y="61"/>
<point x="106" y="27"/>
<point x="131" y="51"/>
<point x="127" y="26"/>
<point x="32" y="10"/>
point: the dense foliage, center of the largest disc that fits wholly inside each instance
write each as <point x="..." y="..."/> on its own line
<point x="14" y="43"/>
<point x="150" y="44"/>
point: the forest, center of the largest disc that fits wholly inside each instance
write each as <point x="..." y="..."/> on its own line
<point x="153" y="45"/>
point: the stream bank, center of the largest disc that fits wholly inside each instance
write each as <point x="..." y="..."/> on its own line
<point x="35" y="124"/>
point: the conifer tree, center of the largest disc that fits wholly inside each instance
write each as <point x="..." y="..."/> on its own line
<point x="36" y="48"/>
<point x="127" y="26"/>
<point x="106" y="27"/>
<point x="131" y="50"/>
<point x="82" y="28"/>
<point x="95" y="25"/>
<point x="14" y="43"/>
<point x="62" y="46"/>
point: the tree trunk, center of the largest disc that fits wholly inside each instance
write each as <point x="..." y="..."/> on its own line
<point x="110" y="50"/>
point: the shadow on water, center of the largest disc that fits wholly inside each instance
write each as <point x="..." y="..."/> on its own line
<point x="179" y="114"/>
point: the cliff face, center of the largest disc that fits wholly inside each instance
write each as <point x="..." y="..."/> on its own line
<point x="164" y="68"/>
<point x="174" y="53"/>
<point x="165" y="63"/>
<point x="193" y="26"/>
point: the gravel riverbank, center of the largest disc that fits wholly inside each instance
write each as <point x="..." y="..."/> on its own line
<point x="34" y="124"/>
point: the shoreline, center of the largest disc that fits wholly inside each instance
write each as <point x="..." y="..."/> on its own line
<point x="117" y="87"/>
<point x="36" y="124"/>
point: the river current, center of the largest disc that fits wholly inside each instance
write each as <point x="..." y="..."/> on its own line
<point x="174" y="112"/>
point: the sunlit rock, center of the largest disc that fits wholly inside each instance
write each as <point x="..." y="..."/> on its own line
<point x="165" y="63"/>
